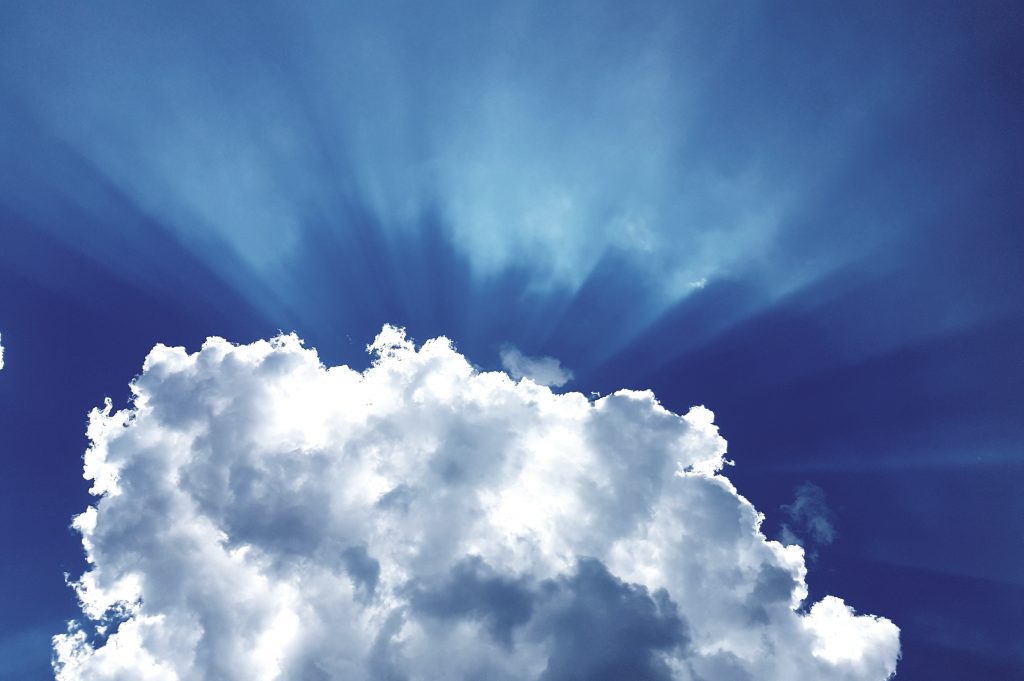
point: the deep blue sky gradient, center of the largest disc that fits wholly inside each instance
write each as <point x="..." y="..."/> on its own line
<point x="847" y="182"/>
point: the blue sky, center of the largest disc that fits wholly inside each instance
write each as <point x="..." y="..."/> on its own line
<point x="804" y="218"/>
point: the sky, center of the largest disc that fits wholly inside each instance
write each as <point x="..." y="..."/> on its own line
<point x="803" y="218"/>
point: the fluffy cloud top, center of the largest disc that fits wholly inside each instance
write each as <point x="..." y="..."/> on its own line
<point x="261" y="516"/>
<point x="543" y="370"/>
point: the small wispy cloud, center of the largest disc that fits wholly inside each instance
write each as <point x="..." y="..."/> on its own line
<point x="811" y="522"/>
<point x="542" y="370"/>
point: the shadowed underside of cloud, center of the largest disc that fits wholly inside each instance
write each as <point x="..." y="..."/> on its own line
<point x="261" y="516"/>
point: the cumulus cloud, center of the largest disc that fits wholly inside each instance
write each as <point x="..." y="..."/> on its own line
<point x="262" y="516"/>
<point x="1" y="354"/>
<point x="543" y="370"/>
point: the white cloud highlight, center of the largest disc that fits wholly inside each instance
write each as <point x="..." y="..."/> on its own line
<point x="261" y="516"/>
<point x="543" y="370"/>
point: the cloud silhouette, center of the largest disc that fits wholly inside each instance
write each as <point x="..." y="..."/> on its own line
<point x="262" y="516"/>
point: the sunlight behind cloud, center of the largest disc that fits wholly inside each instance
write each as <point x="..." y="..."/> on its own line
<point x="543" y="165"/>
<point x="262" y="516"/>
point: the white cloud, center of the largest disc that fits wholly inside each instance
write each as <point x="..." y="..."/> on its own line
<point x="1" y="355"/>
<point x="543" y="370"/>
<point x="261" y="516"/>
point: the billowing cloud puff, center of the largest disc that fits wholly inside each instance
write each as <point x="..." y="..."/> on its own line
<point x="544" y="370"/>
<point x="1" y="355"/>
<point x="261" y="516"/>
